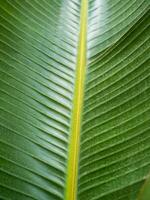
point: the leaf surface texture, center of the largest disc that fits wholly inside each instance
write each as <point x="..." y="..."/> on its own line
<point x="38" y="62"/>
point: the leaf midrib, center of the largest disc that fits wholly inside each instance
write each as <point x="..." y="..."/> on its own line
<point x="73" y="152"/>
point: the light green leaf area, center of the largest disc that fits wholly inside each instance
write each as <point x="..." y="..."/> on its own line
<point x="145" y="190"/>
<point x="39" y="60"/>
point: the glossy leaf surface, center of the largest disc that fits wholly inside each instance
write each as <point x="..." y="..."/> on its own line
<point x="39" y="52"/>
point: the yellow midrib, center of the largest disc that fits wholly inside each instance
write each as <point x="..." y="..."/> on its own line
<point x="72" y="172"/>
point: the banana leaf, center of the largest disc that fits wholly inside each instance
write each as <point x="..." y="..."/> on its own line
<point x="74" y="99"/>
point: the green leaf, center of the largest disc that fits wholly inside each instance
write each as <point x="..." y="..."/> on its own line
<point x="145" y="190"/>
<point x="74" y="99"/>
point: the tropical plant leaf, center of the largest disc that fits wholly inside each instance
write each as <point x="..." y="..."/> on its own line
<point x="48" y="101"/>
<point x="38" y="55"/>
<point x="115" y="140"/>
